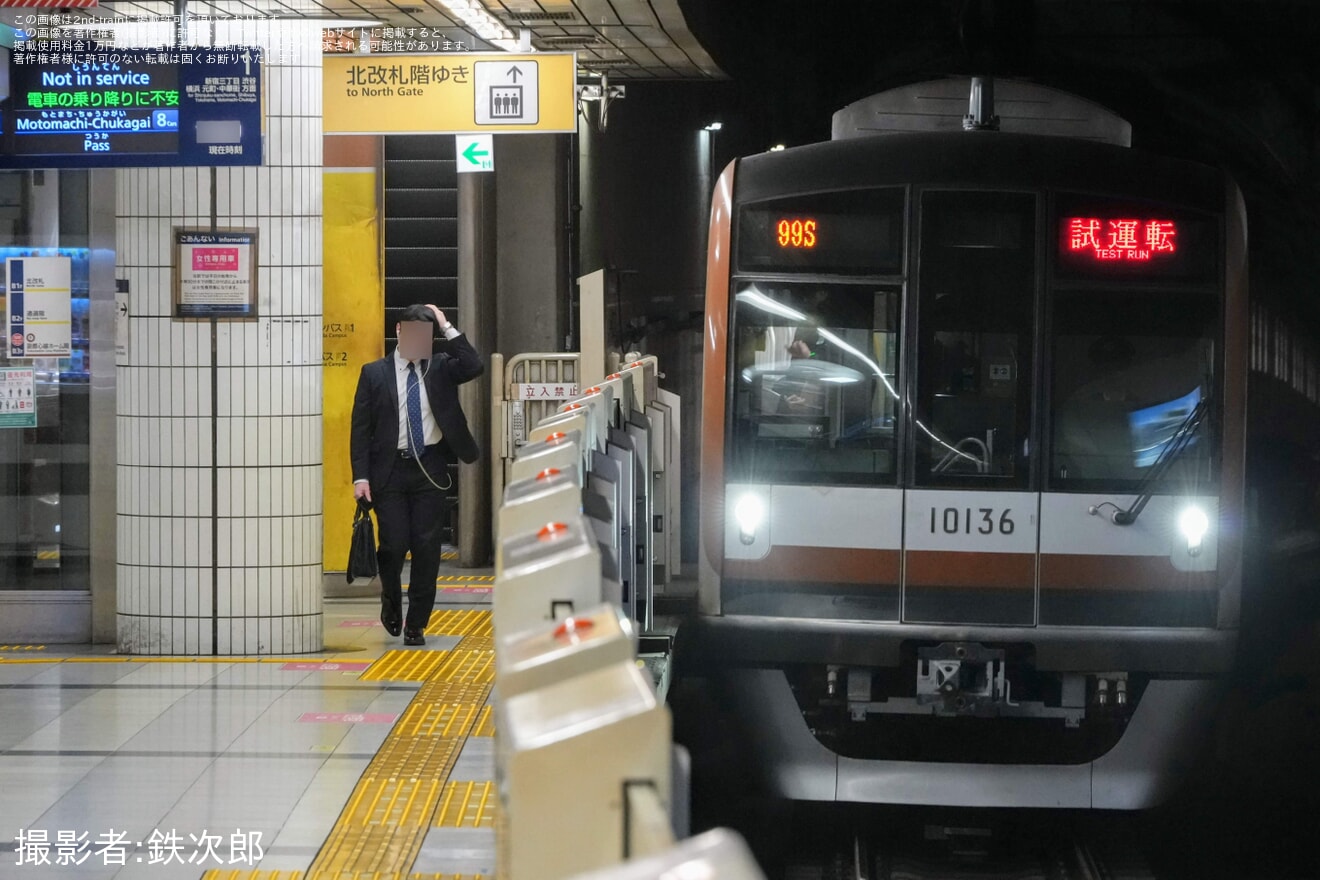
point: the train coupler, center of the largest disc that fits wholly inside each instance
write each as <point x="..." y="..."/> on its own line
<point x="962" y="678"/>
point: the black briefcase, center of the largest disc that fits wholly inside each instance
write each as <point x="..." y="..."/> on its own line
<point x="362" y="550"/>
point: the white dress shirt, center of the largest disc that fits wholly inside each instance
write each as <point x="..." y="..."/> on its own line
<point x="430" y="430"/>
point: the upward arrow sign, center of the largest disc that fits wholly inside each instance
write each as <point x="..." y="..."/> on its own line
<point x="514" y="73"/>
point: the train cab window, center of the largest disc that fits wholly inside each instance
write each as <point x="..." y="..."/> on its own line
<point x="814" y="379"/>
<point x="974" y="339"/>
<point x="1132" y="370"/>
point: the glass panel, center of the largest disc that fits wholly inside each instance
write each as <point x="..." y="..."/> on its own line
<point x="44" y="478"/>
<point x="1131" y="367"/>
<point x="974" y="337"/>
<point x="814" y="378"/>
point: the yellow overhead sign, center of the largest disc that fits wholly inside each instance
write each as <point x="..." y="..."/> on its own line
<point x="449" y="93"/>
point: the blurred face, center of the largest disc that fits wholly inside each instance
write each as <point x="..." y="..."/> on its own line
<point x="414" y="339"/>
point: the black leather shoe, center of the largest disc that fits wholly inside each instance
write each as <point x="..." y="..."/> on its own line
<point x="413" y="637"/>
<point x="390" y="618"/>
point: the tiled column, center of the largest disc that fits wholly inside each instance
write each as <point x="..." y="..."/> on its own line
<point x="255" y="589"/>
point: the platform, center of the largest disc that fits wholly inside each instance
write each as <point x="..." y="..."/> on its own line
<point x="369" y="757"/>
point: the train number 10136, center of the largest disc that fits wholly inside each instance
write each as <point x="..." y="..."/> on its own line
<point x="965" y="520"/>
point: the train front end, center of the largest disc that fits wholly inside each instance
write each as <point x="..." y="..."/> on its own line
<point x="972" y="466"/>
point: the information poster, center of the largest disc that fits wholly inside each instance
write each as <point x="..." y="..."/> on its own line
<point x="39" y="291"/>
<point x="18" y="399"/>
<point x="215" y="273"/>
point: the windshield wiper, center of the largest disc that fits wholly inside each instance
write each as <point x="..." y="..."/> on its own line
<point x="1181" y="439"/>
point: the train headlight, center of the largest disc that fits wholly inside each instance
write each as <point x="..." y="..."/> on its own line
<point x="749" y="513"/>
<point x="1193" y="523"/>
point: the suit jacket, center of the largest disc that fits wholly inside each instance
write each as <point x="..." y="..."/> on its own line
<point x="374" y="442"/>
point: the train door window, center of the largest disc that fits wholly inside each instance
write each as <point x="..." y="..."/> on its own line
<point x="814" y="383"/>
<point x="974" y="339"/>
<point x="1133" y="369"/>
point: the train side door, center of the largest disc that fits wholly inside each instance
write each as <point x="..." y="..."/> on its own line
<point x="971" y="523"/>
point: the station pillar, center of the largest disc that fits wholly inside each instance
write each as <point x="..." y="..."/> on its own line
<point x="476" y="306"/>
<point x="219" y="509"/>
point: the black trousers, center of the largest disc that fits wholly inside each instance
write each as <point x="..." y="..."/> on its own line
<point x="410" y="513"/>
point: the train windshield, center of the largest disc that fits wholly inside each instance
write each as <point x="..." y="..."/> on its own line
<point x="814" y="383"/>
<point x="1131" y="368"/>
<point x="1135" y="321"/>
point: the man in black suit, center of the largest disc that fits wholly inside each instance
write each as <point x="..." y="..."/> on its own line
<point x="407" y="429"/>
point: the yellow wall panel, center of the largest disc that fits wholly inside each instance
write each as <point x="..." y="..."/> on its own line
<point x="353" y="334"/>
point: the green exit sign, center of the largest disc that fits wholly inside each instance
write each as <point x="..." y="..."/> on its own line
<point x="474" y="152"/>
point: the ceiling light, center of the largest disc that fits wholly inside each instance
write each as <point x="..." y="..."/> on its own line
<point x="776" y="148"/>
<point x="715" y="126"/>
<point x="109" y="24"/>
<point x="339" y="24"/>
<point x="486" y="26"/>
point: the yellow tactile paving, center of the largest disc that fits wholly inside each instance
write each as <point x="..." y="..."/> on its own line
<point x="22" y="647"/>
<point x="405" y="789"/>
<point x="395" y="803"/>
<point x="443" y="579"/>
<point x="485" y="725"/>
<point x="412" y="756"/>
<point x="459" y="623"/>
<point x="442" y="709"/>
<point x="405" y="666"/>
<point x="469" y="666"/>
<point x="250" y="874"/>
<point x="304" y="658"/>
<point x="466" y="805"/>
<point x="447" y="877"/>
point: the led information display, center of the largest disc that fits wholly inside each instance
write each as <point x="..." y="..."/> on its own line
<point x="796" y="232"/>
<point x="1107" y="238"/>
<point x="859" y="232"/>
<point x="1122" y="238"/>
<point x="188" y="106"/>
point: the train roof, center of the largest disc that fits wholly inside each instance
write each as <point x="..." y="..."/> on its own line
<point x="1021" y="107"/>
<point x="979" y="159"/>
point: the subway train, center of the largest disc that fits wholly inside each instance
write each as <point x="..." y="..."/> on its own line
<point x="973" y="471"/>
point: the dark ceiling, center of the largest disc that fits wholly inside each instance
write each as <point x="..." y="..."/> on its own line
<point x="1234" y="83"/>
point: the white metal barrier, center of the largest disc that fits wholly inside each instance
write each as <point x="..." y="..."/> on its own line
<point x="719" y="853"/>
<point x="587" y="513"/>
<point x="523" y="391"/>
<point x="531" y="387"/>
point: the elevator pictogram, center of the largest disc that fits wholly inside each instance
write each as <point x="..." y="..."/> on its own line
<point x="507" y="92"/>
